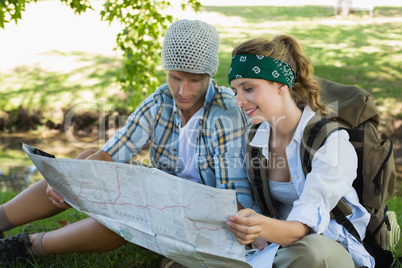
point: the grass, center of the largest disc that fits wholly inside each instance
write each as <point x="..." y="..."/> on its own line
<point x="353" y="51"/>
<point x="129" y="255"/>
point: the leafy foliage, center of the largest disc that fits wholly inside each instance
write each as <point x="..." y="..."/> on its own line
<point x="143" y="26"/>
<point x="11" y="10"/>
<point x="78" y="5"/>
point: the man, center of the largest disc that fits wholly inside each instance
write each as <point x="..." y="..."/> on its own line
<point x="195" y="131"/>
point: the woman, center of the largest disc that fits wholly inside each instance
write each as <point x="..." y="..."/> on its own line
<point x="274" y="86"/>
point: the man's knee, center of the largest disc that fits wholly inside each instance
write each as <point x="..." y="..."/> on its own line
<point x="86" y="153"/>
<point x="108" y="239"/>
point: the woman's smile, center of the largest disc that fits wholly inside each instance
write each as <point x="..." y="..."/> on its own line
<point x="250" y="111"/>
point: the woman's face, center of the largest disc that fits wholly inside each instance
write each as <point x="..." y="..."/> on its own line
<point x="258" y="98"/>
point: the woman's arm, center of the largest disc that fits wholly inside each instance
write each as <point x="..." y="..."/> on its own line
<point x="333" y="171"/>
<point x="249" y="225"/>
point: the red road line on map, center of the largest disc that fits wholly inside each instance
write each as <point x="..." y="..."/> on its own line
<point x="122" y="204"/>
<point x="118" y="186"/>
<point x="128" y="204"/>
<point x="151" y="206"/>
<point x="79" y="194"/>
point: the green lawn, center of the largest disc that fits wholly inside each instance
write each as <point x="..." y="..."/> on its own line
<point x="351" y="51"/>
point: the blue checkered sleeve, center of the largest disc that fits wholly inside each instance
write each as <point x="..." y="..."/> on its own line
<point x="129" y="140"/>
<point x="229" y="161"/>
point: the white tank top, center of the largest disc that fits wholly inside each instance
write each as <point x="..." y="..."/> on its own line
<point x="186" y="157"/>
<point x="283" y="195"/>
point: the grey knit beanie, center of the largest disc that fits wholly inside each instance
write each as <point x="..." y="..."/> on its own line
<point x="191" y="46"/>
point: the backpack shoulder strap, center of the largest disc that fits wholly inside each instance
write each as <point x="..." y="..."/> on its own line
<point x="314" y="136"/>
<point x="257" y="166"/>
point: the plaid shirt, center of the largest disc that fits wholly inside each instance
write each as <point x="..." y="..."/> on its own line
<point x="221" y="134"/>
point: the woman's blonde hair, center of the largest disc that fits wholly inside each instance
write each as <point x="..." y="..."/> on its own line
<point x="287" y="49"/>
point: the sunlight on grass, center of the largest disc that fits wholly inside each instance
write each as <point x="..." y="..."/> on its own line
<point x="51" y="91"/>
<point x="258" y="14"/>
<point x="13" y="158"/>
<point x="79" y="76"/>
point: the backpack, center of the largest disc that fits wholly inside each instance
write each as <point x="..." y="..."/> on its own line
<point x="375" y="181"/>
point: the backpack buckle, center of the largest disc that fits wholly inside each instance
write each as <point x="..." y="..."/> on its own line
<point x="254" y="154"/>
<point x="257" y="181"/>
<point x="314" y="131"/>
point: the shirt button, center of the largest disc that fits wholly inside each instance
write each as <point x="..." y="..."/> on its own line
<point x="174" y="149"/>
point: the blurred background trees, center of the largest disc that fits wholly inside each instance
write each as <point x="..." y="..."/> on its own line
<point x="143" y="25"/>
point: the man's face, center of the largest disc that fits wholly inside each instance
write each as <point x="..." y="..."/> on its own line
<point x="188" y="91"/>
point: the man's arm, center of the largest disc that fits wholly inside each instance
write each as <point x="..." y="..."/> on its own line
<point x="230" y="168"/>
<point x="138" y="130"/>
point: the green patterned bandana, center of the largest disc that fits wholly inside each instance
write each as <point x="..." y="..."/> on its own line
<point x="261" y="67"/>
